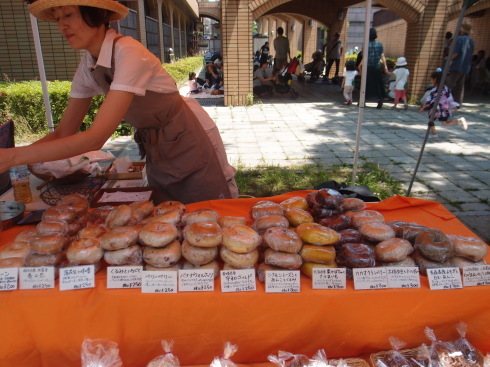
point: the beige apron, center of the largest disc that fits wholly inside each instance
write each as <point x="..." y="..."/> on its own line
<point x="181" y="162"/>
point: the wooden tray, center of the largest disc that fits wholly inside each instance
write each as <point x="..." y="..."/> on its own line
<point x="95" y="202"/>
<point x="138" y="168"/>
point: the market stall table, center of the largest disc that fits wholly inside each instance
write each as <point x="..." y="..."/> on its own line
<point x="47" y="327"/>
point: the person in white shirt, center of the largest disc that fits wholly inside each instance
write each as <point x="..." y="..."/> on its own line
<point x="349" y="80"/>
<point x="401" y="74"/>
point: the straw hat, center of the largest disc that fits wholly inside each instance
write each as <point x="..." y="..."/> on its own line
<point x="466" y="28"/>
<point x="41" y="9"/>
<point x="401" y="61"/>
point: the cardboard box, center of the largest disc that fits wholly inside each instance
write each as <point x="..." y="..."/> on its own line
<point x="138" y="172"/>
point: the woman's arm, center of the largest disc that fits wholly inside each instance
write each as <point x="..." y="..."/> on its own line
<point x="383" y="60"/>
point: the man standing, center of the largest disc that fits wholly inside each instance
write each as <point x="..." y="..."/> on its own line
<point x="333" y="50"/>
<point x="281" y="45"/>
<point x="461" y="62"/>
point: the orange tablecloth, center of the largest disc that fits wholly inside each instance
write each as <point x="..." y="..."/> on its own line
<point x="47" y="327"/>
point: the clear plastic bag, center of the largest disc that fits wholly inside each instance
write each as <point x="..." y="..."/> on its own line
<point x="472" y="356"/>
<point x="166" y="360"/>
<point x="319" y="359"/>
<point x="100" y="353"/>
<point x="394" y="358"/>
<point x="444" y="353"/>
<point x="225" y="361"/>
<point x="286" y="359"/>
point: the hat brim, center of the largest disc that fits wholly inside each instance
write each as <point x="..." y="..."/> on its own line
<point x="41" y="9"/>
<point x="402" y="64"/>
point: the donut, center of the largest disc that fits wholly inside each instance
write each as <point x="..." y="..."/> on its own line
<point x="263" y="268"/>
<point x="350" y="235"/>
<point x="262" y="223"/>
<point x="364" y="216"/>
<point x="176" y="267"/>
<point x="392" y="249"/>
<point x="407" y="231"/>
<point x="319" y="235"/>
<point x="168" y="206"/>
<point x="119" y="238"/>
<point x="318" y="254"/>
<point x="240" y="239"/>
<point x="141" y="210"/>
<point x="84" y="251"/>
<point x="163" y="257"/>
<point x="228" y="221"/>
<point x="321" y="212"/>
<point x="356" y="255"/>
<point x="200" y="215"/>
<point x="157" y="234"/>
<point x="471" y="248"/>
<point x="171" y="217"/>
<point x="47" y="244"/>
<point x="52" y="226"/>
<point x="297" y="216"/>
<point x="330" y="199"/>
<point x="423" y="263"/>
<point x="131" y="255"/>
<point x="11" y="262"/>
<point x="434" y="245"/>
<point x="25" y="235"/>
<point x="337" y="222"/>
<point x="211" y="265"/>
<point x="100" y="214"/>
<point x="198" y="255"/>
<point x="203" y="234"/>
<point x="462" y="262"/>
<point x="36" y="259"/>
<point x="93" y="231"/>
<point x="354" y="204"/>
<point x="15" y="249"/>
<point x="76" y="203"/>
<point x="119" y="216"/>
<point x="265" y="208"/>
<point x="376" y="231"/>
<point x="408" y="261"/>
<point x="239" y="261"/>
<point x="75" y="226"/>
<point x="60" y="212"/>
<point x="295" y="202"/>
<point x="283" y="239"/>
<point x="308" y="266"/>
<point x="282" y="259"/>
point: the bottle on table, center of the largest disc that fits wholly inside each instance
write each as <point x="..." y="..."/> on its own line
<point x="19" y="176"/>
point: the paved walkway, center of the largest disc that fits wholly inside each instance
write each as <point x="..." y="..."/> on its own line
<point x="318" y="128"/>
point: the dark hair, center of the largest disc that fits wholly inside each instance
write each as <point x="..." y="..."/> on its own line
<point x="372" y="34"/>
<point x="280" y="31"/>
<point x="95" y="17"/>
<point x="449" y="35"/>
<point x="350" y="65"/>
<point x="263" y="62"/>
<point x="191" y="75"/>
<point x="437" y="75"/>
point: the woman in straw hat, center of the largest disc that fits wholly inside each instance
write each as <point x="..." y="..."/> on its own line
<point x="186" y="160"/>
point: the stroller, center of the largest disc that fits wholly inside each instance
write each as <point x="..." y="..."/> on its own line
<point x="285" y="79"/>
<point x="315" y="68"/>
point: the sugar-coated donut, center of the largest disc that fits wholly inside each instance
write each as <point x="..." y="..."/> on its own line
<point x="295" y="202"/>
<point x="434" y="245"/>
<point x="262" y="223"/>
<point x="198" y="255"/>
<point x="157" y="234"/>
<point x="337" y="222"/>
<point x="376" y="231"/>
<point x="36" y="259"/>
<point x="168" y="206"/>
<point x="283" y="239"/>
<point x="15" y="249"/>
<point x="84" y="251"/>
<point x="393" y="249"/>
<point x="356" y="255"/>
<point x="119" y="216"/>
<point x="26" y="235"/>
<point x="318" y="254"/>
<point x="365" y="216"/>
<point x="462" y="262"/>
<point x="408" y="261"/>
<point x="213" y="265"/>
<point x="172" y="217"/>
<point x="471" y="248"/>
<point x="176" y="267"/>
<point x="119" y="238"/>
<point x="100" y="214"/>
<point x="163" y="257"/>
<point x="77" y="203"/>
<point x="263" y="268"/>
<point x="319" y="235"/>
<point x="297" y="216"/>
<point x="12" y="262"/>
<point x="308" y="266"/>
<point x="239" y="261"/>
<point x="60" y="212"/>
<point x="423" y="263"/>
<point x="47" y="244"/>
<point x="200" y="215"/>
<point x="282" y="259"/>
<point x="240" y="239"/>
<point x="265" y="208"/>
<point x="203" y="234"/>
<point x="131" y="255"/>
<point x="350" y="235"/>
<point x="93" y="231"/>
<point x="354" y="204"/>
<point x="228" y="221"/>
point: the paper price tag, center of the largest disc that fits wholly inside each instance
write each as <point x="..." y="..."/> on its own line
<point x="159" y="281"/>
<point x="242" y="280"/>
<point x="370" y="278"/>
<point x="282" y="281"/>
<point x="476" y="275"/>
<point x="77" y="277"/>
<point x="329" y="278"/>
<point x="403" y="277"/>
<point x="36" y="278"/>
<point x="124" y="276"/>
<point x="9" y="279"/>
<point x="196" y="280"/>
<point x="444" y="278"/>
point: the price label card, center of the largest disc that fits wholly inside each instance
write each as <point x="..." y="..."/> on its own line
<point x="8" y="279"/>
<point x="403" y="276"/>
<point x="36" y="278"/>
<point x="124" y="276"/>
<point x="282" y="281"/>
<point x="242" y="280"/>
<point x="329" y="278"/>
<point x="370" y="278"/>
<point x="476" y="275"/>
<point x="444" y="278"/>
<point x="196" y="280"/>
<point x="159" y="281"/>
<point x="77" y="277"/>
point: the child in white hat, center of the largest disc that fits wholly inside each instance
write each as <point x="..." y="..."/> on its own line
<point x="401" y="74"/>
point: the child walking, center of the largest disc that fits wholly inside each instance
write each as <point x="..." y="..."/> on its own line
<point x="443" y="112"/>
<point x="348" y="81"/>
<point x="401" y="74"/>
<point x="193" y="86"/>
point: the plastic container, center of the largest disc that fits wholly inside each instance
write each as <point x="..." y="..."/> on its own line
<point x="19" y="176"/>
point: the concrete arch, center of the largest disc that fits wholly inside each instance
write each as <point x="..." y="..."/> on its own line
<point x="409" y="10"/>
<point x="209" y="15"/>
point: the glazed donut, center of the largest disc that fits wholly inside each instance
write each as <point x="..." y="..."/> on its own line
<point x="262" y="223"/>
<point x="163" y="257"/>
<point x="408" y="261"/>
<point x="239" y="261"/>
<point x="131" y="255"/>
<point x="157" y="234"/>
<point x="350" y="235"/>
<point x="60" y="212"/>
<point x="392" y="249"/>
<point x="365" y="216"/>
<point x="94" y="231"/>
<point x="141" y="209"/>
<point x="176" y="267"/>
<point x="354" y="204"/>
<point x="462" y="262"/>
<point x="434" y="245"/>
<point x="228" y="221"/>
<point x="295" y="202"/>
<point x="319" y="235"/>
<point x="471" y="248"/>
<point x="318" y="254"/>
<point x="240" y="239"/>
<point x="52" y="226"/>
<point x="308" y="266"/>
<point x="36" y="260"/>
<point x="75" y="226"/>
<point x="263" y="268"/>
<point x="265" y="208"/>
<point x="119" y="238"/>
<point x="330" y="199"/>
<point x="25" y="235"/>
<point x="297" y="216"/>
<point x="321" y="212"/>
<point x="337" y="222"/>
<point x="200" y="215"/>
<point x="168" y="206"/>
<point x="203" y="234"/>
<point x="212" y="265"/>
<point x="15" y="249"/>
<point x="282" y="259"/>
<point x="76" y="203"/>
<point x="356" y="255"/>
<point x="423" y="263"/>
<point x="171" y="217"/>
<point x="198" y="255"/>
<point x="11" y="262"/>
<point x="407" y="231"/>
<point x="47" y="244"/>
<point x="85" y="251"/>
<point x="119" y="216"/>
<point x="376" y="231"/>
<point x="99" y="215"/>
<point x="283" y="239"/>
